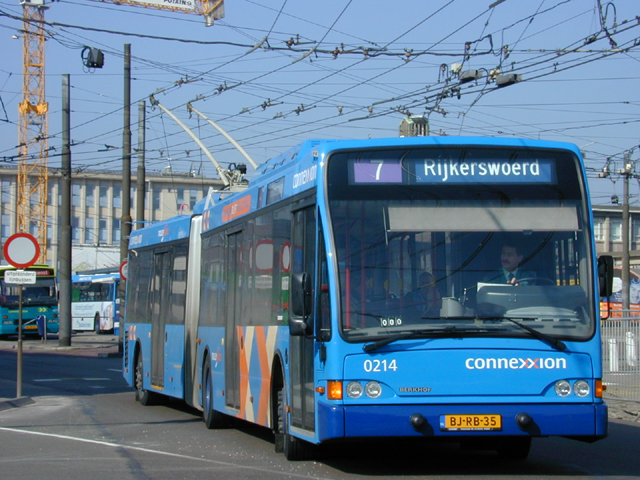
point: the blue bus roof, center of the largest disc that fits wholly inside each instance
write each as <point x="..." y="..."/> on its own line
<point x="166" y="231"/>
<point x="97" y="278"/>
<point x="295" y="171"/>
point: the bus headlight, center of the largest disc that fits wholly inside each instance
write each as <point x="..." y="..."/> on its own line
<point x="354" y="390"/>
<point x="563" y="388"/>
<point x="373" y="389"/>
<point x="581" y="388"/>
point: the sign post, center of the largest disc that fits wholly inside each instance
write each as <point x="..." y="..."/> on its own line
<point x="21" y="250"/>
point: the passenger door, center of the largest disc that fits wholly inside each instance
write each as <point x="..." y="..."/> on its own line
<point x="232" y="337"/>
<point x="159" y="312"/>
<point x="301" y="370"/>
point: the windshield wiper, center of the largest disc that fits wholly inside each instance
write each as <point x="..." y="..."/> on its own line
<point x="554" y="342"/>
<point x="369" y="347"/>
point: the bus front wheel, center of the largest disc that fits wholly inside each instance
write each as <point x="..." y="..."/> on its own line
<point x="212" y="418"/>
<point x="292" y="447"/>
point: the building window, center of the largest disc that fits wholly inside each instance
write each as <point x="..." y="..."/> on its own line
<point x="115" y="231"/>
<point x="5" y="229"/>
<point x="75" y="230"/>
<point x="598" y="228"/>
<point x="75" y="195"/>
<point x="90" y="198"/>
<point x="50" y="229"/>
<point x="89" y="230"/>
<point x="33" y="229"/>
<point x="156" y="198"/>
<point x="6" y="192"/>
<point x="635" y="233"/>
<point x="104" y="196"/>
<point x="117" y="196"/>
<point x="616" y="230"/>
<point x="102" y="231"/>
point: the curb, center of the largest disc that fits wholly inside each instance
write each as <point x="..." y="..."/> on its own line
<point x="16" y="403"/>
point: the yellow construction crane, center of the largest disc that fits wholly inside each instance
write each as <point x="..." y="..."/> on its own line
<point x="33" y="129"/>
<point x="33" y="132"/>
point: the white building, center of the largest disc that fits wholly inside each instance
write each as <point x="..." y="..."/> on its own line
<point x="96" y="210"/>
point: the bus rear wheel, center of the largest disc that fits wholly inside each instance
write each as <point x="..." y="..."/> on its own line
<point x="145" y="397"/>
<point x="96" y="323"/>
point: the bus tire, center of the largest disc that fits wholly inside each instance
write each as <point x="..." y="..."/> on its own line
<point x="212" y="418"/>
<point x="145" y="397"/>
<point x="514" y="448"/>
<point x="96" y="323"/>
<point x="293" y="448"/>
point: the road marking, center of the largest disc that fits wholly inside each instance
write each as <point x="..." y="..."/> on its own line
<point x="158" y="452"/>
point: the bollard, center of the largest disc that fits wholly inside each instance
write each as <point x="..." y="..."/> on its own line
<point x="41" y="322"/>
<point x="613" y="355"/>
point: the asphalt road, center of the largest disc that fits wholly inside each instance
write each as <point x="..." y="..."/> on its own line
<point x="82" y="422"/>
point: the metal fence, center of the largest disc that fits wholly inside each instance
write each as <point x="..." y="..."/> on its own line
<point x="620" y="339"/>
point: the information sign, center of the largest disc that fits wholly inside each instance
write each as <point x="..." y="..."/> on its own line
<point x="20" y="276"/>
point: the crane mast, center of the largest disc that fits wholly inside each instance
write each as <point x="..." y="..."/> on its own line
<point x="33" y="130"/>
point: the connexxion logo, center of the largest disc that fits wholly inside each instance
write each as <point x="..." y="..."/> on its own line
<point x="515" y="363"/>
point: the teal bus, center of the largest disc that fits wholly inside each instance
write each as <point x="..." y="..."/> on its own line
<point x="38" y="300"/>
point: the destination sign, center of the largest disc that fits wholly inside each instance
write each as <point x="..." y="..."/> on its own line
<point x="448" y="170"/>
<point x="486" y="171"/>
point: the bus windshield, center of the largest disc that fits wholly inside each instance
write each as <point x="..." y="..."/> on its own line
<point x="92" y="292"/>
<point x="43" y="292"/>
<point x="460" y="242"/>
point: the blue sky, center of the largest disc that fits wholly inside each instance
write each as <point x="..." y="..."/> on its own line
<point x="577" y="59"/>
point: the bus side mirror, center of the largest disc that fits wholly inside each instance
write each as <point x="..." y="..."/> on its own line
<point x="605" y="275"/>
<point x="300" y="303"/>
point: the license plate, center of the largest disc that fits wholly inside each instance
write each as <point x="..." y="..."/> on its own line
<point x="470" y="422"/>
<point x="31" y="327"/>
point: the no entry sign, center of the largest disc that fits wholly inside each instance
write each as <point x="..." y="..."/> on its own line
<point x="21" y="250"/>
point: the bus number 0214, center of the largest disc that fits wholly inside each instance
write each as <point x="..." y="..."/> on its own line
<point x="380" y="365"/>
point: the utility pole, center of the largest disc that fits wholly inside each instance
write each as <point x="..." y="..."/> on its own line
<point x="140" y="177"/>
<point x="64" y="253"/>
<point x="125" y="221"/>
<point x="626" y="172"/>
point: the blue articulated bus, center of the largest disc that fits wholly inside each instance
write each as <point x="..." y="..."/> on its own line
<point x="441" y="288"/>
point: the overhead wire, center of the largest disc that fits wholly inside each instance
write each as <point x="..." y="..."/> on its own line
<point x="326" y="117"/>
